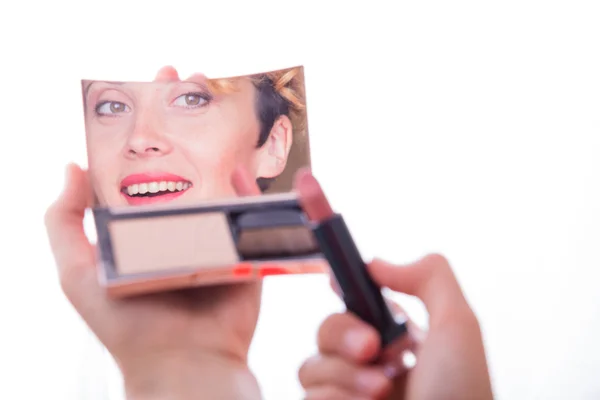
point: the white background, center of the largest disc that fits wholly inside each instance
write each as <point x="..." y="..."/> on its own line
<point x="467" y="128"/>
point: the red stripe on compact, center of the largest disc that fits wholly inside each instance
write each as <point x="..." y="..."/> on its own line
<point x="269" y="270"/>
<point x="242" y="270"/>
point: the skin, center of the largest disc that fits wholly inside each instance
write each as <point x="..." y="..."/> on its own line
<point x="451" y="361"/>
<point x="177" y="345"/>
<point x="167" y="345"/>
<point x="178" y="127"/>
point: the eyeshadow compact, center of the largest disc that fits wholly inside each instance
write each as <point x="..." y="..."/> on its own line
<point x="145" y="249"/>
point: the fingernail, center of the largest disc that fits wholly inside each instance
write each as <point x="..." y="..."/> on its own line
<point x="355" y="341"/>
<point x="370" y="382"/>
<point x="391" y="370"/>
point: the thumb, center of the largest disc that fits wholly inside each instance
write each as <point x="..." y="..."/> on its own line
<point x="74" y="254"/>
<point x="430" y="279"/>
<point x="167" y="74"/>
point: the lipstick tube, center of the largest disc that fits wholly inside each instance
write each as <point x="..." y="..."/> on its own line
<point x="360" y="293"/>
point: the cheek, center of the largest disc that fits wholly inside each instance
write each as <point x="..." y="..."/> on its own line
<point x="104" y="149"/>
<point x="219" y="156"/>
<point x="215" y="156"/>
<point x="218" y="148"/>
<point x="105" y="143"/>
<point x="103" y="176"/>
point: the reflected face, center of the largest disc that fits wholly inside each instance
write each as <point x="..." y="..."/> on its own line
<point x="175" y="141"/>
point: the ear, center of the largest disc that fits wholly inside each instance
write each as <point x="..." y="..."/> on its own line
<point x="273" y="155"/>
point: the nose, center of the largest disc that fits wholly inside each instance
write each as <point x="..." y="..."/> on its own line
<point x="147" y="140"/>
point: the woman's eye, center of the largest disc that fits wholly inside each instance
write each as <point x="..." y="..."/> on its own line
<point x="111" y="107"/>
<point x="191" y="100"/>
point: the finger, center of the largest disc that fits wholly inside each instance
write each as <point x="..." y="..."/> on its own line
<point x="430" y="279"/>
<point x="167" y="74"/>
<point x="321" y="370"/>
<point x="244" y="184"/>
<point x="331" y="393"/>
<point x="334" y="285"/>
<point x="73" y="252"/>
<point x="398" y="312"/>
<point x="347" y="336"/>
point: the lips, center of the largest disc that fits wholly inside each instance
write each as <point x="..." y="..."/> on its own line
<point x="150" y="188"/>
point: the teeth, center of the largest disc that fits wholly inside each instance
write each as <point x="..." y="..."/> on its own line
<point x="155" y="187"/>
<point x="133" y="189"/>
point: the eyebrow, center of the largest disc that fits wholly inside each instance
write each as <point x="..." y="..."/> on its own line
<point x="87" y="89"/>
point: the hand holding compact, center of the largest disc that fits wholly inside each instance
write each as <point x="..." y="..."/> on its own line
<point x="451" y="362"/>
<point x="167" y="345"/>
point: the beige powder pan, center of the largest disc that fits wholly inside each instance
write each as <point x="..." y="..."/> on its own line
<point x="149" y="249"/>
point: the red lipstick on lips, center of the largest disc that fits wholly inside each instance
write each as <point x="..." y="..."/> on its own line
<point x="149" y="188"/>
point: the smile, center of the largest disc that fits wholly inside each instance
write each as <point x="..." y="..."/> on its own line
<point x="151" y="188"/>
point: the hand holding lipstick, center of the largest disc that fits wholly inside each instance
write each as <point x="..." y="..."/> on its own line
<point x="451" y="362"/>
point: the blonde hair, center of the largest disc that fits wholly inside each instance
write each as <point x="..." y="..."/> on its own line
<point x="288" y="83"/>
